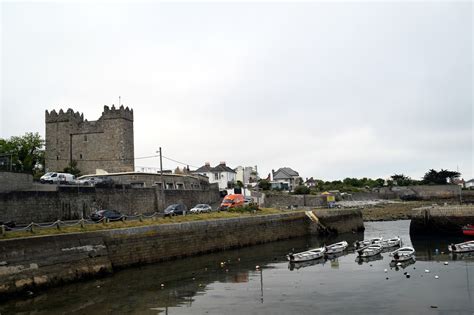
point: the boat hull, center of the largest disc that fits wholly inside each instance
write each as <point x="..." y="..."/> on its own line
<point x="307" y="255"/>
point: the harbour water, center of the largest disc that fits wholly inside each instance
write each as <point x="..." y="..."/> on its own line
<point x="259" y="280"/>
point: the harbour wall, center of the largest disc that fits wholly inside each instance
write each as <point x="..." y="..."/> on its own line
<point x="75" y="202"/>
<point x="37" y="262"/>
<point x="441" y="219"/>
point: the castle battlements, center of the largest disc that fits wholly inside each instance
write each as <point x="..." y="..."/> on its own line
<point x="117" y="113"/>
<point x="71" y="116"/>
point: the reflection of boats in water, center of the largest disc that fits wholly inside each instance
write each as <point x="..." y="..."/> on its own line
<point x="360" y="260"/>
<point x="334" y="256"/>
<point x="297" y="265"/>
<point x="403" y="254"/>
<point x="462" y="247"/>
<point x="463" y="256"/>
<point x="402" y="264"/>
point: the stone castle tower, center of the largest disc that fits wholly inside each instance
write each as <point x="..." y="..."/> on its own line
<point x="106" y="143"/>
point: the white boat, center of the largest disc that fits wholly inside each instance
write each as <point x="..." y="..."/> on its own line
<point x="370" y="250"/>
<point x="392" y="242"/>
<point x="462" y="247"/>
<point x="336" y="248"/>
<point x="403" y="254"/>
<point x="307" y="255"/>
<point x="370" y="241"/>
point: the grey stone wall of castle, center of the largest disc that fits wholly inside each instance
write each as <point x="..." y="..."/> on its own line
<point x="106" y="143"/>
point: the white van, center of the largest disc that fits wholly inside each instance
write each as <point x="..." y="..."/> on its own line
<point x="57" y="178"/>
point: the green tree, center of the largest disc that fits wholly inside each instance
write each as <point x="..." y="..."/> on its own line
<point x="264" y="184"/>
<point x="441" y="177"/>
<point x="26" y="153"/>
<point x="72" y="169"/>
<point x="301" y="190"/>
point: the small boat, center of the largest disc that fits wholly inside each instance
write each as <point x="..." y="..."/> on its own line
<point x="462" y="247"/>
<point x="403" y="254"/>
<point x="392" y="242"/>
<point x="364" y="243"/>
<point x="307" y="255"/>
<point x="468" y="230"/>
<point x="336" y="248"/>
<point x="370" y="250"/>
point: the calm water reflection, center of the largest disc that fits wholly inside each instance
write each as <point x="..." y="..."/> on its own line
<point x="230" y="283"/>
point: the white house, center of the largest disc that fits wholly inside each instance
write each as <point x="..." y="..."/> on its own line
<point x="287" y="176"/>
<point x="223" y="175"/>
<point x="246" y="175"/>
<point x="469" y="184"/>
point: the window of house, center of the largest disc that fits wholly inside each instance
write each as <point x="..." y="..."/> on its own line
<point x="169" y="186"/>
<point x="216" y="176"/>
<point x="179" y="186"/>
<point x="85" y="138"/>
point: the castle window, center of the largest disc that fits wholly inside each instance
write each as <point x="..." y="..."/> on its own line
<point x="57" y="157"/>
<point x="85" y="138"/>
<point x="80" y="156"/>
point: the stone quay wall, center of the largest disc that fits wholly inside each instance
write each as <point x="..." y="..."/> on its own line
<point x="37" y="262"/>
<point x="282" y="201"/>
<point x="74" y="202"/>
<point x="15" y="181"/>
<point x="441" y="219"/>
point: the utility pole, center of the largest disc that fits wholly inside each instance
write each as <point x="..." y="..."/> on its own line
<point x="258" y="193"/>
<point x="161" y="178"/>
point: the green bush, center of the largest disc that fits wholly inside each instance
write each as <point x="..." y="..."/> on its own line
<point x="245" y="208"/>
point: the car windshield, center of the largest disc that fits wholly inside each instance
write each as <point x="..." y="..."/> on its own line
<point x="228" y="200"/>
<point x="48" y="174"/>
<point x="172" y="207"/>
<point x="201" y="206"/>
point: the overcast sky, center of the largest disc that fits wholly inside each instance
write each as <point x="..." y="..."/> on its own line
<point x="332" y="90"/>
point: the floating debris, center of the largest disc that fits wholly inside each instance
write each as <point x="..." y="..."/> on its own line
<point x="386" y="278"/>
<point x="399" y="264"/>
<point x="194" y="278"/>
<point x="445" y="263"/>
<point x="257" y="267"/>
<point x="385" y="270"/>
<point x="436" y="277"/>
<point x="408" y="275"/>
<point x="227" y="270"/>
<point x="162" y="285"/>
<point x="427" y="270"/>
<point x="434" y="306"/>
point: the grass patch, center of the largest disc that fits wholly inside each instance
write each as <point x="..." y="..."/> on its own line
<point x="137" y="223"/>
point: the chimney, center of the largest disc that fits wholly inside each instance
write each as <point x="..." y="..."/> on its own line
<point x="222" y="163"/>
<point x="207" y="164"/>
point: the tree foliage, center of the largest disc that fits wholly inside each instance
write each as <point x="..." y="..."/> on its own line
<point x="72" y="169"/>
<point x="301" y="190"/>
<point x="264" y="184"/>
<point x="441" y="177"/>
<point x="23" y="154"/>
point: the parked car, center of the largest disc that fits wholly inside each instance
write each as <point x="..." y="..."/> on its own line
<point x="175" y="209"/>
<point x="248" y="201"/>
<point x="57" y="178"/>
<point x="232" y="201"/>
<point x="202" y="207"/>
<point x="112" y="215"/>
<point x="98" y="181"/>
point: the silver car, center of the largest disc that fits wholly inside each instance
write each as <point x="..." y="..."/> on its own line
<point x="200" y="208"/>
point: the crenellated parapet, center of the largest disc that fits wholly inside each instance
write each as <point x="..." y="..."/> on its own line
<point x="117" y="113"/>
<point x="69" y="115"/>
